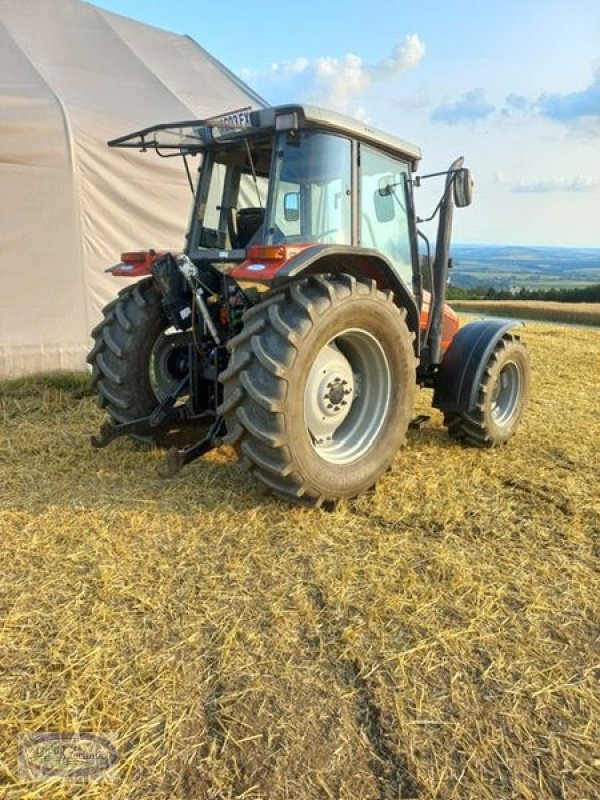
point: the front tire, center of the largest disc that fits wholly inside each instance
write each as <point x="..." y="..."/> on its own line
<point x="502" y="397"/>
<point x="319" y="390"/>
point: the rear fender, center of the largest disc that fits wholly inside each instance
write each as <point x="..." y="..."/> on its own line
<point x="461" y="371"/>
<point x="335" y="259"/>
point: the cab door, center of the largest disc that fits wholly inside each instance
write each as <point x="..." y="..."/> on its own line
<point x="383" y="218"/>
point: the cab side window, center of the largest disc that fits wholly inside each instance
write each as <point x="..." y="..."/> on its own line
<point x="383" y="218"/>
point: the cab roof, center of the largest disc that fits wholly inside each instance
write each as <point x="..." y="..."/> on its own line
<point x="314" y="117"/>
<point x="196" y="135"/>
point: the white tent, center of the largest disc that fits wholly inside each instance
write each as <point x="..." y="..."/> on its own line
<point x="73" y="76"/>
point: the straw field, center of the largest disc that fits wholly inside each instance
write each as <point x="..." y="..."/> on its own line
<point x="579" y="313"/>
<point x="437" y="638"/>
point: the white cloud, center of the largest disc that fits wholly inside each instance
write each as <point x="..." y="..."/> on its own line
<point x="471" y="107"/>
<point x="407" y="54"/>
<point x="580" y="109"/>
<point x="294" y="67"/>
<point x="580" y="183"/>
<point x="337" y="83"/>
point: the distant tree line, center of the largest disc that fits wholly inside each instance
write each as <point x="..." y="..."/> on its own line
<point x="586" y="294"/>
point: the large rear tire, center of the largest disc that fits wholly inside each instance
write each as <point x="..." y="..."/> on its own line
<point x="502" y="397"/>
<point x="319" y="389"/>
<point x="136" y="360"/>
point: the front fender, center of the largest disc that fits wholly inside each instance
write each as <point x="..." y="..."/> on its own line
<point x="461" y="371"/>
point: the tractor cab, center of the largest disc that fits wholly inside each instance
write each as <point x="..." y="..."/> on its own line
<point x="293" y="176"/>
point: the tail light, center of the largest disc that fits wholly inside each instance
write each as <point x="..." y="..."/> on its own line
<point x="135" y="264"/>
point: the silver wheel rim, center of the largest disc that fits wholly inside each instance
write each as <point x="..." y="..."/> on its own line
<point x="166" y="368"/>
<point x="507" y="391"/>
<point x="347" y="396"/>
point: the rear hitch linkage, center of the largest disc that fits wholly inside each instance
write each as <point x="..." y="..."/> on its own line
<point x="163" y="417"/>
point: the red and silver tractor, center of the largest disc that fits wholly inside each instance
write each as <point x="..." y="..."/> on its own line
<point x="296" y="325"/>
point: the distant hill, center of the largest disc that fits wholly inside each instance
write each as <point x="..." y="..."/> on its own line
<point x="511" y="267"/>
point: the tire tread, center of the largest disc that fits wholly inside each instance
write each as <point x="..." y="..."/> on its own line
<point x="269" y="344"/>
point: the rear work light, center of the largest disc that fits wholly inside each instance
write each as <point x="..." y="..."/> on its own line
<point x="286" y="122"/>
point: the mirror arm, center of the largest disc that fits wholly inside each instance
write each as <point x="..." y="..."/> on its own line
<point x="449" y="183"/>
<point x="418" y="178"/>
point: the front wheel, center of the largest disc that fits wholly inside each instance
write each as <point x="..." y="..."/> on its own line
<point x="502" y="396"/>
<point x="319" y="390"/>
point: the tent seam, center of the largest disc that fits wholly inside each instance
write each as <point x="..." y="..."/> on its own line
<point x="101" y="15"/>
<point x="104" y="14"/>
<point x="235" y="78"/>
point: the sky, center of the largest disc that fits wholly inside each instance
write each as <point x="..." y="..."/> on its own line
<point x="513" y="86"/>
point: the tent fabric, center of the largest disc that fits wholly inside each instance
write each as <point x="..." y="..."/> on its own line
<point x="73" y="76"/>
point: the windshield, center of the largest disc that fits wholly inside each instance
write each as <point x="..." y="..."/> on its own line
<point x="311" y="199"/>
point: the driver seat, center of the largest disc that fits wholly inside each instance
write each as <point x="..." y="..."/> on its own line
<point x="249" y="220"/>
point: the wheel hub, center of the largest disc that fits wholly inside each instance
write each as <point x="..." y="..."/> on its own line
<point x="337" y="392"/>
<point x="169" y="362"/>
<point x="347" y="396"/>
<point x="329" y="393"/>
<point x="505" y="397"/>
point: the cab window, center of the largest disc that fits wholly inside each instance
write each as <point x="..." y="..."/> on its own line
<point x="383" y="217"/>
<point x="311" y="191"/>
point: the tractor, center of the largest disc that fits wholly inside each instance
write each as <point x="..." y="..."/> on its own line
<point x="303" y="311"/>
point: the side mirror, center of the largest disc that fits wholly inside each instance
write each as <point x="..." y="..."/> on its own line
<point x="291" y="206"/>
<point x="383" y="200"/>
<point x="386" y="185"/>
<point x="462" y="186"/>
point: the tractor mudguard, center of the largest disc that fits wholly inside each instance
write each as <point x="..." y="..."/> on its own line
<point x="461" y="371"/>
<point x="356" y="261"/>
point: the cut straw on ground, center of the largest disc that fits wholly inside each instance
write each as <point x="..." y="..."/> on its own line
<point x="437" y="638"/>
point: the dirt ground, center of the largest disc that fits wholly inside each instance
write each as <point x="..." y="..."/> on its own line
<point x="437" y="638"/>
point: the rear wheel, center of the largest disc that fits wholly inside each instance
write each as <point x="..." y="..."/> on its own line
<point x="137" y="359"/>
<point x="502" y="396"/>
<point x="319" y="390"/>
